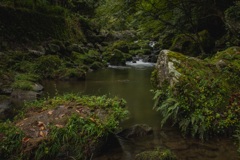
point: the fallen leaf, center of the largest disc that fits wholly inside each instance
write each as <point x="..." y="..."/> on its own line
<point x="25" y="139"/>
<point x="61" y="115"/>
<point x="42" y="128"/>
<point x="59" y="125"/>
<point x="50" y="112"/>
<point x="43" y="133"/>
<point x="40" y="124"/>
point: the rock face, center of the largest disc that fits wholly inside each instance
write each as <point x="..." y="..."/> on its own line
<point x="166" y="70"/>
<point x="201" y="96"/>
<point x="26" y="95"/>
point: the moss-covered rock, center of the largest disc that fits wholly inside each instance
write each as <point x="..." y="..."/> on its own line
<point x="158" y="154"/>
<point x="63" y="127"/>
<point x="200" y="96"/>
<point x="46" y="66"/>
<point x="117" y="58"/>
<point x="72" y="73"/>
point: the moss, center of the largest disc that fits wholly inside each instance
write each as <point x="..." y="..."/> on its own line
<point x="72" y="73"/>
<point x="159" y="154"/>
<point x="204" y="100"/>
<point x="121" y="45"/>
<point x="96" y="65"/>
<point x="24" y="81"/>
<point x="75" y="133"/>
<point x="46" y="66"/>
<point x="117" y="58"/>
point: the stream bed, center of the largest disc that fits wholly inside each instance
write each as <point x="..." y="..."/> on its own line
<point x="132" y="83"/>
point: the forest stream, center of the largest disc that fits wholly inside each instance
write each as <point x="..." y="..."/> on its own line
<point x="132" y="83"/>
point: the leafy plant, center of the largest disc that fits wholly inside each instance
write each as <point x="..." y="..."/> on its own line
<point x="205" y="101"/>
<point x="10" y="140"/>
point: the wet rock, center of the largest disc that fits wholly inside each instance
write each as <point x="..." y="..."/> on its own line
<point x="77" y="48"/>
<point x="26" y="95"/>
<point x="137" y="130"/>
<point x="4" y="105"/>
<point x="52" y="48"/>
<point x="6" y="91"/>
<point x="37" y="87"/>
<point x="38" y="52"/>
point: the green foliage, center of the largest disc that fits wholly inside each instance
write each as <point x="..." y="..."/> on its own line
<point x="10" y="140"/>
<point x="205" y="100"/>
<point x="46" y="66"/>
<point x="237" y="136"/>
<point x="117" y="58"/>
<point x="24" y="81"/>
<point x="72" y="73"/>
<point x="81" y="133"/>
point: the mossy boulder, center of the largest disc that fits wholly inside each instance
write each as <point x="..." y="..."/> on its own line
<point x="46" y="66"/>
<point x="121" y="45"/>
<point x="200" y="96"/>
<point x="63" y="127"/>
<point x="158" y="154"/>
<point x="72" y="73"/>
<point x="232" y="15"/>
<point x="117" y="58"/>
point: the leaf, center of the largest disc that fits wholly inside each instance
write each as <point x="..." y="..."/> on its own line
<point x="50" y="112"/>
<point x="59" y="125"/>
<point x="25" y="139"/>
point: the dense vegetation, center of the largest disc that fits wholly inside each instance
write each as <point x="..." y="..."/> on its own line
<point x="69" y="126"/>
<point x="204" y="98"/>
<point x="65" y="39"/>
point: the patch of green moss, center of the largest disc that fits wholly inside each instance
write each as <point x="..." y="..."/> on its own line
<point x="159" y="154"/>
<point x="46" y="66"/>
<point x="24" y="81"/>
<point x="72" y="73"/>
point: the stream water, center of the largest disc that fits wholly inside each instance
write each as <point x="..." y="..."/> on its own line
<point x="133" y="84"/>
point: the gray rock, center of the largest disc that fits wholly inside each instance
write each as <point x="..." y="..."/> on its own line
<point x="6" y="91"/>
<point x="52" y="48"/>
<point x="77" y="48"/>
<point x="37" y="87"/>
<point x="137" y="130"/>
<point x="166" y="68"/>
<point x="39" y="51"/>
<point x="4" y="105"/>
<point x="25" y="95"/>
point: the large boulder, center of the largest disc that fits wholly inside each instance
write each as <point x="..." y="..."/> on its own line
<point x="200" y="96"/>
<point x="117" y="58"/>
<point x="63" y="127"/>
